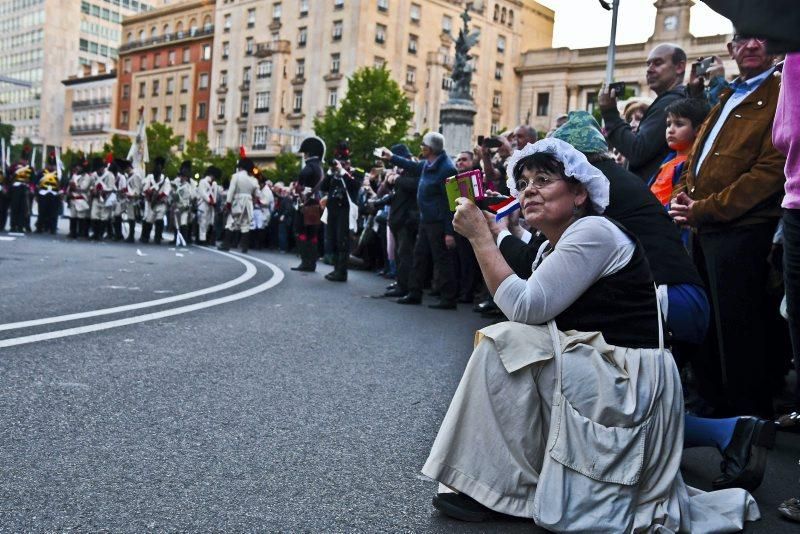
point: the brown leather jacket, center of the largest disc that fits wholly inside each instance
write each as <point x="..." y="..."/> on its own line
<point x="741" y="179"/>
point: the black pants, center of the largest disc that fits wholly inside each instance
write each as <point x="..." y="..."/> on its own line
<point x="4" y="202"/>
<point x="405" y="236"/>
<point x="469" y="273"/>
<point x="337" y="232"/>
<point x="430" y="241"/>
<point x="48" y="213"/>
<point x="791" y="278"/>
<point x="20" y="205"/>
<point x="734" y="371"/>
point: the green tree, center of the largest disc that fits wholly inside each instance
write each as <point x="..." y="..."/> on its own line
<point x="7" y="132"/>
<point x="119" y="146"/>
<point x="374" y="113"/>
<point x="198" y="152"/>
<point x="227" y="164"/>
<point x="286" y="170"/>
<point x="162" y="142"/>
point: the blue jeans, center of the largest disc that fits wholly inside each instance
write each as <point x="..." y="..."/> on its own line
<point x="689" y="313"/>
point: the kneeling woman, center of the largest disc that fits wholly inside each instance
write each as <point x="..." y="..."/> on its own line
<point x="571" y="413"/>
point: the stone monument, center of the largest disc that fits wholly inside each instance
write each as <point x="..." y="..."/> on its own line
<point x="457" y="116"/>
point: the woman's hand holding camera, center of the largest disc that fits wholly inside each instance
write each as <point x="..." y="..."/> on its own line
<point x="470" y="221"/>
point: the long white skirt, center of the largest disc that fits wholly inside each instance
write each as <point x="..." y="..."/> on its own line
<point x="493" y="440"/>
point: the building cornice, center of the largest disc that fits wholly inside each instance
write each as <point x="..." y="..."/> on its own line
<point x="172" y="9"/>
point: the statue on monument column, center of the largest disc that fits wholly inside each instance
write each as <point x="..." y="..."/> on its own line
<point x="462" y="69"/>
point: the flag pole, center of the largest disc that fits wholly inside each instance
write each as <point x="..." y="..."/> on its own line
<point x="612" y="46"/>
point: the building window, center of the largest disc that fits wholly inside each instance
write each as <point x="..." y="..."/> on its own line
<point x="206" y="52"/>
<point x="303" y="8"/>
<point x="184" y="84"/>
<point x="300" y="71"/>
<point x="202" y="110"/>
<point x="333" y="98"/>
<point x="498" y="71"/>
<point x="495" y="128"/>
<point x="156" y="61"/>
<point x="412" y="44"/>
<point x="380" y="33"/>
<point x="126" y="66"/>
<point x="187" y="55"/>
<point x="262" y="101"/>
<point x="591" y="101"/>
<point x="226" y="25"/>
<point x="242" y="137"/>
<point x="246" y="76"/>
<point x="416" y="13"/>
<point x="182" y="113"/>
<point x="203" y="81"/>
<point x="510" y="18"/>
<point x="123" y="118"/>
<point x="276" y="11"/>
<point x="153" y="114"/>
<point x="168" y="114"/>
<point x="383" y="5"/>
<point x="251" y="17"/>
<point x="542" y="104"/>
<point x="143" y="63"/>
<point x="338" y="4"/>
<point x="496" y="99"/>
<point x="223" y="78"/>
<point x="142" y="89"/>
<point x="264" y="69"/>
<point x="379" y="62"/>
<point x="447" y="24"/>
<point x="337" y="30"/>
<point x="226" y="49"/>
<point x="170" y="85"/>
<point x="171" y="57"/>
<point x="335" y="63"/>
<point x="411" y="75"/>
<point x="298" y="102"/>
<point x="156" y="87"/>
<point x="260" y="137"/>
<point x="447" y="83"/>
<point x="221" y="108"/>
<point x="249" y="46"/>
<point x="126" y="92"/>
<point x="244" y="109"/>
<point x="302" y="36"/>
<point x="501" y="44"/>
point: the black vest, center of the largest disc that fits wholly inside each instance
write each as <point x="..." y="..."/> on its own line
<point x="621" y="306"/>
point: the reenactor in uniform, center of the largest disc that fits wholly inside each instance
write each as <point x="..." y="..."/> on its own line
<point x="78" y="198"/>
<point x="206" y="200"/>
<point x="21" y="177"/>
<point x="3" y="198"/>
<point x="156" y="191"/>
<point x="48" y="198"/>
<point x="239" y="205"/>
<point x="121" y="204"/>
<point x="184" y="198"/>
<point x="265" y="203"/>
<point x="133" y="195"/>
<point x="307" y="220"/>
<point x="103" y="192"/>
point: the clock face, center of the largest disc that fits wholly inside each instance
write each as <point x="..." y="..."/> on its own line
<point x="671" y="23"/>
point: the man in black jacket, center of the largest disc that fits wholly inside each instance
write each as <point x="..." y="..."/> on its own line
<point x="647" y="148"/>
<point x="403" y="221"/>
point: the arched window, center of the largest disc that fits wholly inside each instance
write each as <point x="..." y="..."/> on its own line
<point x="179" y="29"/>
<point x="503" y="16"/>
<point x="511" y="18"/>
<point x="192" y="26"/>
<point x="141" y="35"/>
<point x="496" y="12"/>
<point x="153" y="32"/>
<point x="130" y="37"/>
<point x="207" y="24"/>
<point x="167" y="29"/>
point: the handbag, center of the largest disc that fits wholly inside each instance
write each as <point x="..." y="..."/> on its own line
<point x="590" y="468"/>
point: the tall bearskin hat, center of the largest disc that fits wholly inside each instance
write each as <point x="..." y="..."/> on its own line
<point x="313" y="147"/>
<point x="186" y="168"/>
<point x="342" y="151"/>
<point x="98" y="164"/>
<point x="214" y="172"/>
<point x="123" y="164"/>
<point x="51" y="159"/>
<point x="26" y="153"/>
<point x="246" y="164"/>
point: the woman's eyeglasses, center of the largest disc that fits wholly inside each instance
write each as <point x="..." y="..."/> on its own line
<point x="537" y="182"/>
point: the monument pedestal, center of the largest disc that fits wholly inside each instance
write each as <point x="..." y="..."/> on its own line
<point x="457" y="118"/>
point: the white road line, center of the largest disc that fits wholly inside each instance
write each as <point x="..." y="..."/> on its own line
<point x="250" y="272"/>
<point x="277" y="277"/>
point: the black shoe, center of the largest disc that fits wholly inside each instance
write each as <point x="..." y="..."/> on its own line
<point x="745" y="458"/>
<point x="410" y="299"/>
<point x="485" y="306"/>
<point x="395" y="292"/>
<point x="336" y="277"/>
<point x="304" y="268"/>
<point x="435" y="293"/>
<point x="392" y="286"/>
<point x="463" y="507"/>
<point x="443" y="305"/>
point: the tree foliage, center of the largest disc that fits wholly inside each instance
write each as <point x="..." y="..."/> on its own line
<point x="286" y="170"/>
<point x="198" y="152"/>
<point x="375" y="112"/>
<point x="119" y="146"/>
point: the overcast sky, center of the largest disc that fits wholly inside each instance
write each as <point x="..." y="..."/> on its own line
<point x="583" y="23"/>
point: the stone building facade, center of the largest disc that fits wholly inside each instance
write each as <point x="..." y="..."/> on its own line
<point x="89" y="108"/>
<point x="278" y="64"/>
<point x="557" y="80"/>
<point x="165" y="68"/>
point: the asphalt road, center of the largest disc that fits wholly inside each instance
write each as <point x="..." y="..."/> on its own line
<point x="273" y="403"/>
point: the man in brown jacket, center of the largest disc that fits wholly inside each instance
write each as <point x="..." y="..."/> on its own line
<point x="730" y="194"/>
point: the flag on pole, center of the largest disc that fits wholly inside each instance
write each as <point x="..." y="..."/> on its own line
<point x="3" y="154"/>
<point x="138" y="154"/>
<point x="505" y="208"/>
<point x="59" y="164"/>
<point x="33" y="159"/>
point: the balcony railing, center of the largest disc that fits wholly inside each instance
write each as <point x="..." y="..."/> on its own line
<point x="91" y="103"/>
<point x="168" y="38"/>
<point x="88" y="129"/>
<point x="273" y="47"/>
